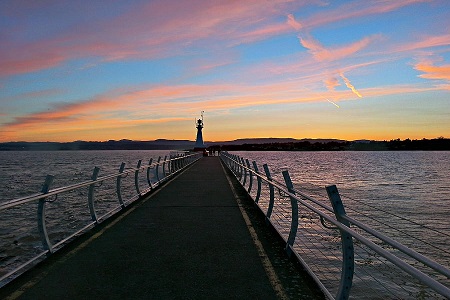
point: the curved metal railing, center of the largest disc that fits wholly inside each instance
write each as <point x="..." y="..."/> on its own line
<point x="316" y="245"/>
<point x="162" y="170"/>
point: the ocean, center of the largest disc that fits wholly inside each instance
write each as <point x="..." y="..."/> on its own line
<point x="388" y="190"/>
<point x="404" y="195"/>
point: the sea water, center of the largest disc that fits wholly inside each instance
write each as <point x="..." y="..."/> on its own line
<point x="404" y="195"/>
<point x="412" y="185"/>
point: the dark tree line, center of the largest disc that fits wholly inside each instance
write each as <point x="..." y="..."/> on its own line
<point x="438" y="144"/>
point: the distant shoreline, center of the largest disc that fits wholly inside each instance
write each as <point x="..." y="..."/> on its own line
<point x="269" y="144"/>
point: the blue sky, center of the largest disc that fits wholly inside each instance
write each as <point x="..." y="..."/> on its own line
<point x="143" y="70"/>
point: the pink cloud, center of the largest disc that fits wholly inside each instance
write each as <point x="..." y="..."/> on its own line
<point x="160" y="28"/>
<point x="262" y="33"/>
<point x="356" y="9"/>
<point x="21" y="61"/>
<point x="293" y="22"/>
<point x="424" y="42"/>
<point x="154" y="102"/>
<point x="433" y="72"/>
<point x="331" y="83"/>
<point x="162" y="104"/>
<point x="34" y="95"/>
<point x="150" y="30"/>
<point x="322" y="53"/>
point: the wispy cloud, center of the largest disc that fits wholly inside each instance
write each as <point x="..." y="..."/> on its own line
<point x="354" y="10"/>
<point x="322" y="53"/>
<point x="154" y="102"/>
<point x="293" y="22"/>
<point x="227" y="56"/>
<point x="423" y="42"/>
<point x="34" y="95"/>
<point x="331" y="83"/>
<point x="160" y="29"/>
<point x="147" y="30"/>
<point x="162" y="105"/>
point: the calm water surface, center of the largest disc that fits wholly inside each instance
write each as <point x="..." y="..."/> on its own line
<point x="373" y="185"/>
<point x="415" y="183"/>
<point x="405" y="195"/>
<point x="23" y="172"/>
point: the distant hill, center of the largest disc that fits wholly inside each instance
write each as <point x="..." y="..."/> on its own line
<point x="160" y="144"/>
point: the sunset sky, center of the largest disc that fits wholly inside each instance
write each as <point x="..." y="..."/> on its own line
<point x="144" y="70"/>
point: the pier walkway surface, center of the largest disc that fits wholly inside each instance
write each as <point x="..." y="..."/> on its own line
<point x="198" y="236"/>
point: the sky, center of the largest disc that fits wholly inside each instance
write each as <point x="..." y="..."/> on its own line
<point x="145" y="70"/>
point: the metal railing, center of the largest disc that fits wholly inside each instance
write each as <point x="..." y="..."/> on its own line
<point x="161" y="170"/>
<point x="335" y="248"/>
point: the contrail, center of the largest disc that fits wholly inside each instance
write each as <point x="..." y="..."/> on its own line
<point x="349" y="85"/>
<point x="322" y="96"/>
<point x="332" y="103"/>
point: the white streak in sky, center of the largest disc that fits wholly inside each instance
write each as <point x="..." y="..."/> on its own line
<point x="333" y="103"/>
<point x="349" y="85"/>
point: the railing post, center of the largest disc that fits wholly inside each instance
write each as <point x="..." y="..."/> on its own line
<point x="41" y="215"/>
<point x="174" y="164"/>
<point x="232" y="164"/>
<point x="272" y="192"/>
<point x="294" y="214"/>
<point x="136" y="177"/>
<point x="118" y="185"/>
<point x="258" y="192"/>
<point x="238" y="167"/>
<point x="91" y="195"/>
<point x="157" y="169"/>
<point x="348" y="264"/>
<point x="148" y="173"/>
<point x="250" y="184"/>
<point x="235" y="165"/>
<point x="178" y="163"/>
<point x="244" y="170"/>
<point x="226" y="158"/>
<point x="164" y="167"/>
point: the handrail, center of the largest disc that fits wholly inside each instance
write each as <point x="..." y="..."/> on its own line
<point x="422" y="258"/>
<point x="342" y="222"/>
<point x="176" y="164"/>
<point x="37" y="196"/>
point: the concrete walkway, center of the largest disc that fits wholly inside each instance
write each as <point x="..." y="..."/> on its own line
<point x="188" y="240"/>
